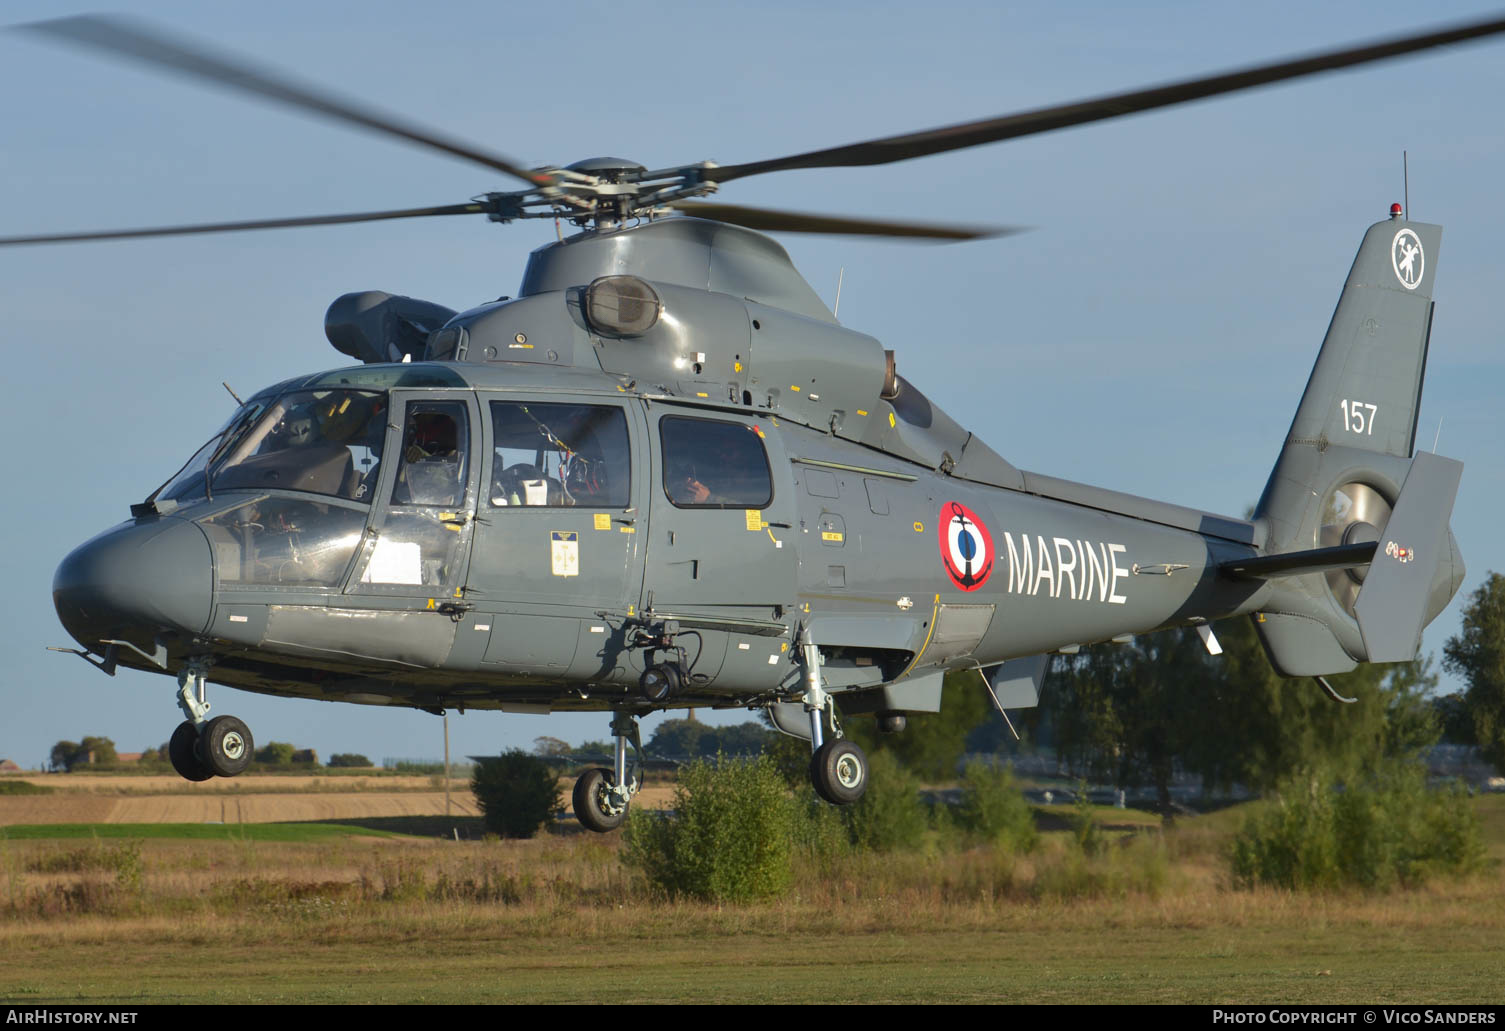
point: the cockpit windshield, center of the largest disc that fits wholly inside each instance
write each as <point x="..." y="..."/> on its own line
<point x="188" y="482"/>
<point x="315" y="441"/>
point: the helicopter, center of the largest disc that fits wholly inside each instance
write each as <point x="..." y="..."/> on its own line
<point x="665" y="476"/>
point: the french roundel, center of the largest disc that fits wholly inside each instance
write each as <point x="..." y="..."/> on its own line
<point x="966" y="546"/>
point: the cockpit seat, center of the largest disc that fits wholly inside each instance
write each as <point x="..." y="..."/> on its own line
<point x="319" y="469"/>
<point x="524" y="484"/>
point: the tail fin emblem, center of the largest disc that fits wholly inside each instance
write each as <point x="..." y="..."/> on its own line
<point x="1407" y="258"/>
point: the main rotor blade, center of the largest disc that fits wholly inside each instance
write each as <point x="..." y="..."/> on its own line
<point x="140" y="42"/>
<point x="991" y="130"/>
<point x="799" y="222"/>
<point x="231" y="227"/>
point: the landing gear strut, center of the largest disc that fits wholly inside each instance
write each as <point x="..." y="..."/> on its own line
<point x="838" y="768"/>
<point x="201" y="748"/>
<point x="602" y="796"/>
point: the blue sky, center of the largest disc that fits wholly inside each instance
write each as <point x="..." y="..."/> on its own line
<point x="1152" y="334"/>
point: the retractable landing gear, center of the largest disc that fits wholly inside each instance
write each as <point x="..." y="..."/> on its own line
<point x="602" y="796"/>
<point x="838" y="768"/>
<point x="202" y="748"/>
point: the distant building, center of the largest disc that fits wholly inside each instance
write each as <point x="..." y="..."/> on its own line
<point x="9" y="766"/>
<point x="129" y="757"/>
<point x="306" y="756"/>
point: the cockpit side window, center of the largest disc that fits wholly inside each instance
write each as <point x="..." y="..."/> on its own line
<point x="559" y="455"/>
<point x="434" y="448"/>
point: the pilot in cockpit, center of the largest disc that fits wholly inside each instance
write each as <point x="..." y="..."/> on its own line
<point x="431" y="462"/>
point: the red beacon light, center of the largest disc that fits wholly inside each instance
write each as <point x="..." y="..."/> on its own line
<point x="1395" y="211"/>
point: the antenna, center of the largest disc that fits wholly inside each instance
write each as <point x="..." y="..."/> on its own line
<point x="1438" y="436"/>
<point x="1405" y="174"/>
<point x="839" y="277"/>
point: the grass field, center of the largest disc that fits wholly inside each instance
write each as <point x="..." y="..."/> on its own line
<point x="364" y="912"/>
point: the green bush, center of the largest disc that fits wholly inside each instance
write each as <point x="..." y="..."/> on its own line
<point x="730" y="836"/>
<point x="349" y="759"/>
<point x="890" y="816"/>
<point x="994" y="809"/>
<point x="1089" y="833"/>
<point x="414" y="767"/>
<point x="518" y="793"/>
<point x="1394" y="833"/>
<point x="275" y="753"/>
<point x="820" y="828"/>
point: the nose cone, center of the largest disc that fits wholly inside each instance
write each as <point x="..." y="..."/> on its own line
<point x="138" y="578"/>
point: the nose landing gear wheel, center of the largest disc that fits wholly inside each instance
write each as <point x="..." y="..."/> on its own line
<point x="838" y="771"/>
<point x="595" y="806"/>
<point x="226" y="746"/>
<point x="182" y="749"/>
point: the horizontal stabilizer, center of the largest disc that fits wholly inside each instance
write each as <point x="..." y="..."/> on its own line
<point x="1295" y="563"/>
<point x="1392" y="606"/>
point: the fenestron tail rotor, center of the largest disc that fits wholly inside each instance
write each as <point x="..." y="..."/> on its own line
<point x="1354" y="513"/>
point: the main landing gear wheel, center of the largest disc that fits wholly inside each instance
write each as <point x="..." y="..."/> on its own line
<point x="182" y="749"/>
<point x="225" y="746"/>
<point x="838" y="770"/>
<point x="596" y="806"/>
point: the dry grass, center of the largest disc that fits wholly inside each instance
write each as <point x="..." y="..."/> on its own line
<point x="559" y="918"/>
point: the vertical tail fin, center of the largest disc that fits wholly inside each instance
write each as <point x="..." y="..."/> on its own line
<point x="1348" y="452"/>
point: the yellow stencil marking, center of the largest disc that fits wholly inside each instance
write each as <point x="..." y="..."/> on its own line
<point x="736" y="366"/>
<point x="919" y="527"/>
<point x="861" y="412"/>
<point x="755" y="523"/>
<point x="701" y="393"/>
<point x="431" y="604"/>
<point x="794" y="388"/>
<point x="603" y="521"/>
<point x="629" y="529"/>
<point x="827" y="535"/>
<point x="891" y="419"/>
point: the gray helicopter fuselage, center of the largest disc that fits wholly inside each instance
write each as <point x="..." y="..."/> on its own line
<point x="901" y="542"/>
